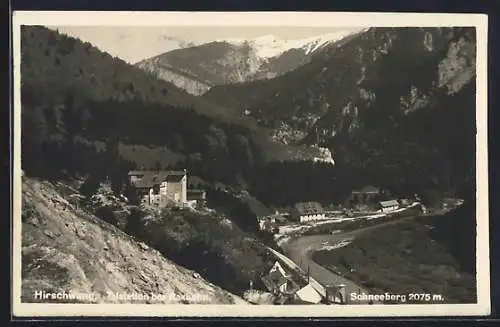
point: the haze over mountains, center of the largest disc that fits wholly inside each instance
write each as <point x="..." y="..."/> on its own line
<point x="224" y="61"/>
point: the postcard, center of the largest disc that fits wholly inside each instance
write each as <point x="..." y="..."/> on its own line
<point x="249" y="164"/>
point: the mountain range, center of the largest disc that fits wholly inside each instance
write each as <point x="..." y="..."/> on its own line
<point x="224" y="61"/>
<point x="75" y="95"/>
<point x="375" y="102"/>
<point x="395" y="108"/>
<point x="385" y="95"/>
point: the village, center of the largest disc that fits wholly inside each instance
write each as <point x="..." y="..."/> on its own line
<point x="286" y="282"/>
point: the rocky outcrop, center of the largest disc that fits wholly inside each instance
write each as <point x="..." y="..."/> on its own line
<point x="66" y="249"/>
<point x="400" y="69"/>
<point x="182" y="80"/>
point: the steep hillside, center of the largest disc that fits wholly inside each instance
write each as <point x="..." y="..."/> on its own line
<point x="197" y="69"/>
<point x="66" y="249"/>
<point x="222" y="245"/>
<point x="52" y="63"/>
<point x="380" y="57"/>
<point x="379" y="103"/>
<point x="87" y="108"/>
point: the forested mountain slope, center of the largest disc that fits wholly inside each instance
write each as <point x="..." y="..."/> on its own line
<point x="88" y="109"/>
<point x="380" y="103"/>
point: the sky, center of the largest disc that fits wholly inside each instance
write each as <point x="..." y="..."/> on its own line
<point x="133" y="44"/>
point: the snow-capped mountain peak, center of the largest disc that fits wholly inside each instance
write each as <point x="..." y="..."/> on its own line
<point x="268" y="46"/>
<point x="235" y="60"/>
<point x="314" y="43"/>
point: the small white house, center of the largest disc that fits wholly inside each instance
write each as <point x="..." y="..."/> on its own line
<point x="278" y="280"/>
<point x="308" y="294"/>
<point x="388" y="206"/>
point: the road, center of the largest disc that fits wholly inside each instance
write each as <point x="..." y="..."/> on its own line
<point x="300" y="250"/>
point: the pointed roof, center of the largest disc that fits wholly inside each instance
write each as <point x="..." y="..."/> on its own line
<point x="154" y="172"/>
<point x="277" y="266"/>
<point x="152" y="177"/>
<point x="308" y="294"/>
<point x="277" y="278"/>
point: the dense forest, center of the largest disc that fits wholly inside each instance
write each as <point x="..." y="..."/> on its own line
<point x="395" y="105"/>
<point x="81" y="106"/>
<point x="82" y="117"/>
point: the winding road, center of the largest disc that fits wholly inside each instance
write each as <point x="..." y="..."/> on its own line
<point x="300" y="250"/>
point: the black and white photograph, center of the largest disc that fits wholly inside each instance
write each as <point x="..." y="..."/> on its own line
<point x="250" y="164"/>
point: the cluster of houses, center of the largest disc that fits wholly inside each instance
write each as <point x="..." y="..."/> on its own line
<point x="369" y="196"/>
<point x="160" y="188"/>
<point x="290" y="288"/>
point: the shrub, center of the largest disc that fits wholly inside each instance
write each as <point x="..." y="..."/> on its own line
<point x="107" y="214"/>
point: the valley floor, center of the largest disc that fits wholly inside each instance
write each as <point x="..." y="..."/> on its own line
<point x="401" y="259"/>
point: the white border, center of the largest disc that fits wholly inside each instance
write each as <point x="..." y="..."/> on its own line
<point x="306" y="19"/>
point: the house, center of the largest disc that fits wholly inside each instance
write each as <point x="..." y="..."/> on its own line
<point x="336" y="294"/>
<point x="271" y="223"/>
<point x="365" y="195"/>
<point x="307" y="211"/>
<point x="285" y="213"/>
<point x="278" y="281"/>
<point x="196" y="197"/>
<point x="267" y="223"/>
<point x="280" y="220"/>
<point x="388" y="206"/>
<point x="159" y="187"/>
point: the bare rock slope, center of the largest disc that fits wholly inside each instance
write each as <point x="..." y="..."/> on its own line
<point x="66" y="249"/>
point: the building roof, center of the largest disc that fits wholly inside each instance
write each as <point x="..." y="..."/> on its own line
<point x="147" y="181"/>
<point x="277" y="278"/>
<point x="149" y="172"/>
<point x="152" y="177"/>
<point x="193" y="194"/>
<point x="367" y="189"/>
<point x="389" y="203"/>
<point x="277" y="266"/>
<point x="308" y="294"/>
<point x="274" y="281"/>
<point x="174" y="177"/>
<point x="309" y="208"/>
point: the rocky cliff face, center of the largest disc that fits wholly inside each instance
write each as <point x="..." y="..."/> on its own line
<point x="181" y="79"/>
<point x="382" y="96"/>
<point x="66" y="249"/>
<point x="398" y="71"/>
<point x="403" y="65"/>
